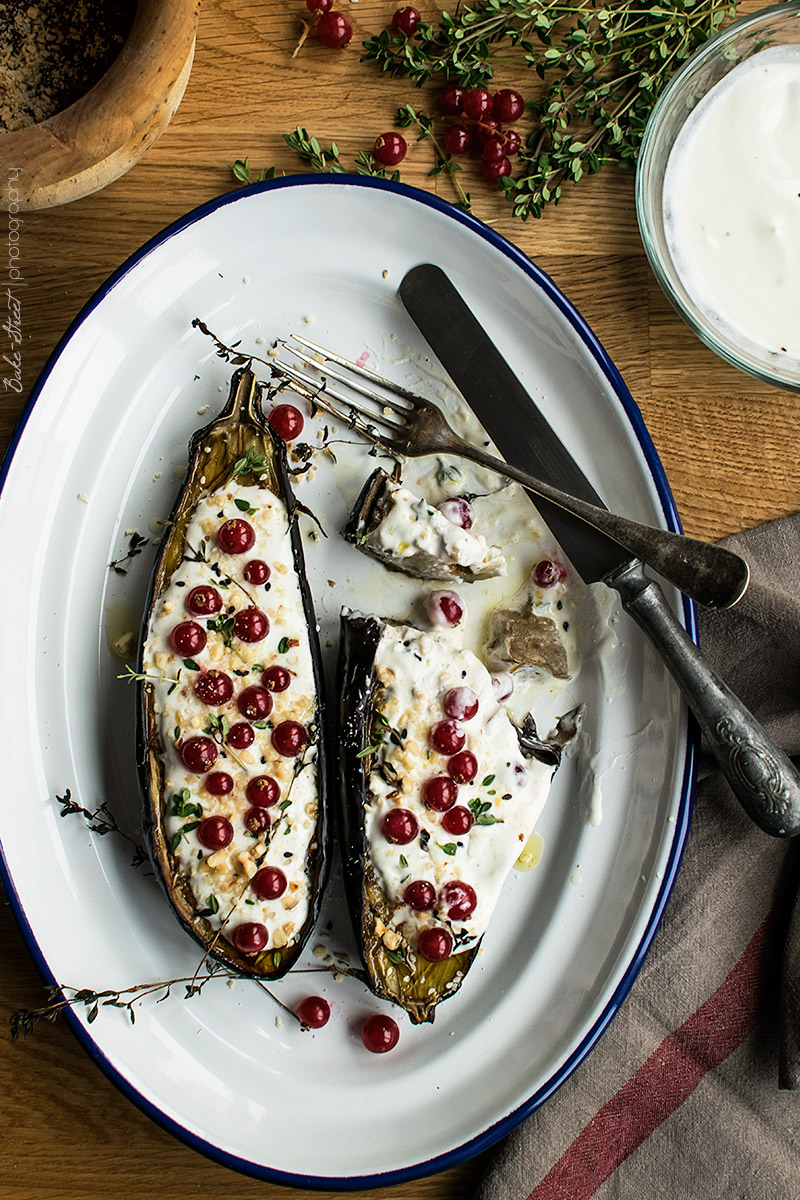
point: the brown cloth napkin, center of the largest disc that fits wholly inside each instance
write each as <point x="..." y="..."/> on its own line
<point x="680" y="1099"/>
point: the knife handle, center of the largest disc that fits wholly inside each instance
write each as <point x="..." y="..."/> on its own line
<point x="761" y="775"/>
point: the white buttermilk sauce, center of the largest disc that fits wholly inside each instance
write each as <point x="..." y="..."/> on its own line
<point x="411" y="526"/>
<point x="414" y="670"/>
<point x="223" y="875"/>
<point x="732" y="204"/>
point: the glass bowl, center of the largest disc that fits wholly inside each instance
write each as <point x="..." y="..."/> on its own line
<point x="778" y="26"/>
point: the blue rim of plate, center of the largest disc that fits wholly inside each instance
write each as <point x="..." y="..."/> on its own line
<point x="490" y="1136"/>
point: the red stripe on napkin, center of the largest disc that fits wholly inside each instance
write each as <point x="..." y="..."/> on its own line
<point x="661" y="1084"/>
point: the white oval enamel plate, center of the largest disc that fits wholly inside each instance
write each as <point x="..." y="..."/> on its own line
<point x="97" y="456"/>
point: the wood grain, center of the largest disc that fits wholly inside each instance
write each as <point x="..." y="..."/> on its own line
<point x="727" y="443"/>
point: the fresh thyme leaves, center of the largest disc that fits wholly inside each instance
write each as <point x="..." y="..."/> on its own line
<point x="253" y="461"/>
<point x="136" y="544"/>
<point x="131" y="676"/>
<point x="309" y="150"/>
<point x="407" y="116"/>
<point x="101" y="821"/>
<point x="178" y="837"/>
<point x="367" y="164"/>
<point x="481" y="811"/>
<point x="244" y="505"/>
<point x="448" y="847"/>
<point x="182" y="806"/>
<point x="224" y="627"/>
<point x="601" y="66"/>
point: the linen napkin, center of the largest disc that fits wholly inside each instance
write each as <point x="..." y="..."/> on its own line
<point x="682" y="1096"/>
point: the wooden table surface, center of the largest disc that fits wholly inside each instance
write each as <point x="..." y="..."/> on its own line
<point x="727" y="443"/>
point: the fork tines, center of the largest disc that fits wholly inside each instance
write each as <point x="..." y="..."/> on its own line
<point x="317" y="388"/>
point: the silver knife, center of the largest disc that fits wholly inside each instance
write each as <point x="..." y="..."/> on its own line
<point x="760" y="774"/>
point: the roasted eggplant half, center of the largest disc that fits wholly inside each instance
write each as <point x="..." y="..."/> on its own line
<point x="231" y="722"/>
<point x="406" y="533"/>
<point x="440" y="793"/>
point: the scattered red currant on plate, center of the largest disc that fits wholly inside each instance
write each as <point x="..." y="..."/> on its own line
<point x="380" y="1033"/>
<point x="313" y="1012"/>
<point x="285" y="419"/>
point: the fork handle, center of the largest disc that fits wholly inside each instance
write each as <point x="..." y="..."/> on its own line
<point x="762" y="777"/>
<point x="711" y="575"/>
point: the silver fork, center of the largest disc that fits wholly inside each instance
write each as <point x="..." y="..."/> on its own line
<point x="406" y="425"/>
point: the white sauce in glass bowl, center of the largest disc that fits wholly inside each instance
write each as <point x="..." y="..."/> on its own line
<point x="732" y="205"/>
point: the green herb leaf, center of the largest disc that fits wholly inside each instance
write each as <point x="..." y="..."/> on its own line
<point x="448" y="847"/>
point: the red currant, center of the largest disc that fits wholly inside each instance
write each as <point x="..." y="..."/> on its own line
<point x="420" y="895"/>
<point x="215" y="833"/>
<point x="457" y="139"/>
<point x="477" y="103"/>
<point x="492" y="172"/>
<point x="494" y="148"/>
<point x="485" y="129"/>
<point x="255" y="703"/>
<point x="289" y="738"/>
<point x="256" y="820"/>
<point x="251" y="625"/>
<point x="457" y="821"/>
<point x="262" y="791"/>
<point x="320" y="6"/>
<point x="460" y="703"/>
<point x="334" y="30"/>
<point x="240" y="735"/>
<point x="380" y="1033"/>
<point x="198" y="755"/>
<point x="399" y="826"/>
<point x="435" y="944"/>
<point x="203" y="601"/>
<point x="313" y="1012"/>
<point x="188" y="639"/>
<point x="250" y="937"/>
<point x="463" y="767"/>
<point x="256" y="571"/>
<point x="548" y="572"/>
<point x="445" y="608"/>
<point x="439" y="793"/>
<point x="213" y="688"/>
<point x="285" y="419"/>
<point x="447" y="737"/>
<point x="390" y="149"/>
<point x="269" y="883"/>
<point x="406" y="20"/>
<point x="459" y="900"/>
<point x="513" y="142"/>
<point x="277" y="679"/>
<point x="457" y="511"/>
<point x="451" y="99"/>
<point x="219" y="783"/>
<point x="508" y="105"/>
<point x="235" y="536"/>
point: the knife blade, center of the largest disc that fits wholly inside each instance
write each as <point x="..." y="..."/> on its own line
<point x="477" y="367"/>
<point x="760" y="774"/>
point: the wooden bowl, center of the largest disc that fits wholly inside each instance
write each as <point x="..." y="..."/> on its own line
<point x="101" y="136"/>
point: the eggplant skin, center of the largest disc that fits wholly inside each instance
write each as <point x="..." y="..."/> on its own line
<point x="213" y="451"/>
<point x="420" y="990"/>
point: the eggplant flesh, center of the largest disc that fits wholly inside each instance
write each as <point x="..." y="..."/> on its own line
<point x="385" y="762"/>
<point x="405" y="533"/>
<point x="237" y="473"/>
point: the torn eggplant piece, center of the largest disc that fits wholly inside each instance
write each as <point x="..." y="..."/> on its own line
<point x="438" y="797"/>
<point x="525" y="639"/>
<point x="405" y="533"/>
<point x="231" y="738"/>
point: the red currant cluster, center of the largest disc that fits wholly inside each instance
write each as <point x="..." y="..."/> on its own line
<point x="480" y="120"/>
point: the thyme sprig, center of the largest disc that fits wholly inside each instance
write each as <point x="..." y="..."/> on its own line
<point x="407" y="116"/>
<point x="101" y="821"/>
<point x="602" y="67"/>
<point x="136" y="543"/>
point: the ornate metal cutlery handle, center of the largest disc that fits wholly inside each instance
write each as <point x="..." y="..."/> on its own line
<point x="761" y="775"/>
